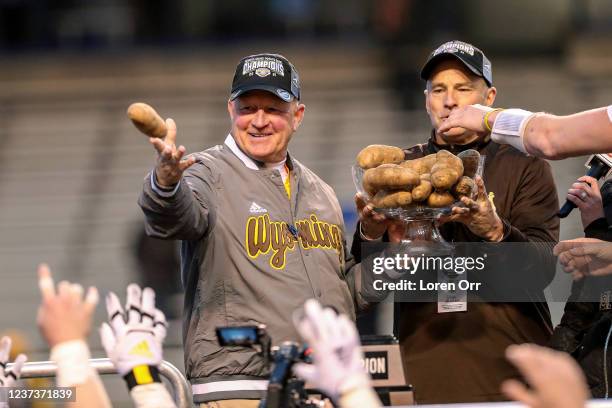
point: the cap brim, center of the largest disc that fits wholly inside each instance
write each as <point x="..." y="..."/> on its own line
<point x="433" y="62"/>
<point x="278" y="92"/>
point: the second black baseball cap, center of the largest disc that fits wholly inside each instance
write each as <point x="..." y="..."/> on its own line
<point x="268" y="72"/>
<point x="470" y="56"/>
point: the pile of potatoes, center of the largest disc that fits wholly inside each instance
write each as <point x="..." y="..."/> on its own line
<point x="436" y="180"/>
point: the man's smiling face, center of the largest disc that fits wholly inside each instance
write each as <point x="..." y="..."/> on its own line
<point x="262" y="124"/>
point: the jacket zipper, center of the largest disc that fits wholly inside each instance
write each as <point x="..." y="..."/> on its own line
<point x="292" y="212"/>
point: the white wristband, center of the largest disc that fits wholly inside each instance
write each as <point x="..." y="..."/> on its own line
<point x="509" y="127"/>
<point x="72" y="359"/>
<point x="610" y="113"/>
<point x="363" y="397"/>
<point x="153" y="395"/>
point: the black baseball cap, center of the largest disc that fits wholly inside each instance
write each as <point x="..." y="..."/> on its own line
<point x="269" y="72"/>
<point x="470" y="56"/>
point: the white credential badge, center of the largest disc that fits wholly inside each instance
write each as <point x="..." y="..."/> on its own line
<point x="453" y="299"/>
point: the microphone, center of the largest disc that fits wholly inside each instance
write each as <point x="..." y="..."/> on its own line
<point x="599" y="165"/>
<point x="606" y="198"/>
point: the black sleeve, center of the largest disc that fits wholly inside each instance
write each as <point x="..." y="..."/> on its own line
<point x="598" y="229"/>
<point x="577" y="317"/>
<point x="357" y="241"/>
<point x="533" y="218"/>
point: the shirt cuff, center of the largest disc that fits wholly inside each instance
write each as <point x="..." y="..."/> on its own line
<point x="366" y="238"/>
<point x="512" y="234"/>
<point x="161" y="191"/>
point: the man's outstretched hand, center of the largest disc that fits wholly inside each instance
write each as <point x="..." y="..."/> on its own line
<point x="170" y="162"/>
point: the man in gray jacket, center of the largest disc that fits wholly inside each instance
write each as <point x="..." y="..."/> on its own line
<point x="261" y="232"/>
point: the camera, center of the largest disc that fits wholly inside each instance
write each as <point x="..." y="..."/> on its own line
<point x="284" y="390"/>
<point x="241" y="335"/>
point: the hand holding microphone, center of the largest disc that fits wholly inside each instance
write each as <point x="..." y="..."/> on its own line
<point x="585" y="194"/>
<point x="599" y="165"/>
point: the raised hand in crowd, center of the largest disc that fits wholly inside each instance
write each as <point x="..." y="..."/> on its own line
<point x="64" y="315"/>
<point x="133" y="339"/>
<point x="337" y="368"/>
<point x="554" y="377"/>
<point x="9" y="376"/>
<point x="64" y="320"/>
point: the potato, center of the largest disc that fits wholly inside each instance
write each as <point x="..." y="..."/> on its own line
<point x="422" y="191"/>
<point x="470" y="159"/>
<point x="446" y="157"/>
<point x="421" y="165"/>
<point x="375" y="155"/>
<point x="443" y="177"/>
<point x="417" y="166"/>
<point x="440" y="199"/>
<point x="464" y="187"/>
<point x="446" y="171"/>
<point x="392" y="199"/>
<point x="430" y="159"/>
<point x="389" y="177"/>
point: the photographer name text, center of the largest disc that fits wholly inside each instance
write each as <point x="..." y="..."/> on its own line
<point x="406" y="285"/>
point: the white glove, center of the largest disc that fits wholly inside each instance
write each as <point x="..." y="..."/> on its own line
<point x="10" y="376"/>
<point x="336" y="351"/>
<point x="134" y="336"/>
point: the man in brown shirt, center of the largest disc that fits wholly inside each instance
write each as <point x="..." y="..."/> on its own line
<point x="459" y="356"/>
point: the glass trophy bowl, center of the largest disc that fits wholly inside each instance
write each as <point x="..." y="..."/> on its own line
<point x="420" y="221"/>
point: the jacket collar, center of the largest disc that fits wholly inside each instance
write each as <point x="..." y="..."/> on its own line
<point x="230" y="142"/>
<point x="246" y="160"/>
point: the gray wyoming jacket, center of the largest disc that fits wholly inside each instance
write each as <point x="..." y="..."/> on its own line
<point x="250" y="255"/>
